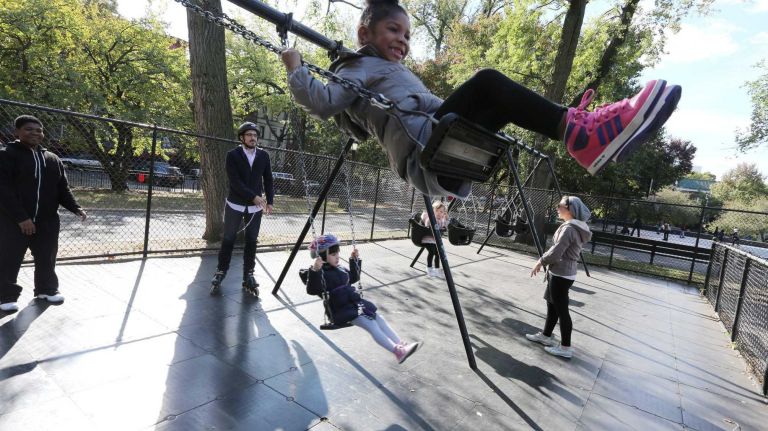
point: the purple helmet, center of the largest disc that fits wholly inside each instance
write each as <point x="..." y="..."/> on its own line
<point x="322" y="244"/>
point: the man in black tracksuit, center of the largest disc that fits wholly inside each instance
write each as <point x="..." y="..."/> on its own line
<point x="250" y="175"/>
<point x="32" y="186"/>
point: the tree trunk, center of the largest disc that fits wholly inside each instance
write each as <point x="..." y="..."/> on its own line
<point x="212" y="111"/>
<point x="566" y="51"/>
<point x="610" y="53"/>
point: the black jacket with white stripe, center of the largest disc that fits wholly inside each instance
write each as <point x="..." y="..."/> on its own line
<point x="32" y="184"/>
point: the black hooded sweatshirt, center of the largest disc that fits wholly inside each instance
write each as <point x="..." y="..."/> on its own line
<point x="32" y="184"/>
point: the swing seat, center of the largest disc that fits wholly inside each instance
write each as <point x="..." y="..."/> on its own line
<point x="461" y="149"/>
<point x="334" y="326"/>
<point x="458" y="234"/>
<point x="418" y="230"/>
<point x="504" y="227"/>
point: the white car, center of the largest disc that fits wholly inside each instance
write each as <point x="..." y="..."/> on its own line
<point x="80" y="161"/>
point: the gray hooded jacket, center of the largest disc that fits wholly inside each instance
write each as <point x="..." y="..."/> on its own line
<point x="562" y="258"/>
<point x="397" y="83"/>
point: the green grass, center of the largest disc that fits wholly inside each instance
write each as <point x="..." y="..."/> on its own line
<point x="164" y="200"/>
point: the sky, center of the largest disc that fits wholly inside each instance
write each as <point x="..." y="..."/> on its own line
<point x="712" y="57"/>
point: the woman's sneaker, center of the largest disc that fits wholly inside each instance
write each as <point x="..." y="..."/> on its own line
<point x="541" y="338"/>
<point x="9" y="307"/>
<point x="560" y="350"/>
<point x="403" y="351"/>
<point x="53" y="299"/>
<point x="595" y="138"/>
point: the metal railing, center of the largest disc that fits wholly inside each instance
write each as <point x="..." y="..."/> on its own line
<point x="737" y="287"/>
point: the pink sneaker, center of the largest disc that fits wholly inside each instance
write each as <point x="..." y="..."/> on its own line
<point x="594" y="138"/>
<point x="403" y="351"/>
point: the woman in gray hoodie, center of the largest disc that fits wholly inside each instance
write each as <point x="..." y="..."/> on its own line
<point x="561" y="260"/>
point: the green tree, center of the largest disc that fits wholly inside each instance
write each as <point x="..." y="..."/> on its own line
<point x="757" y="133"/>
<point x="707" y="176"/>
<point x="740" y="185"/>
<point x="84" y="57"/>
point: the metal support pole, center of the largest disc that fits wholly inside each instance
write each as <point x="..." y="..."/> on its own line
<point x="149" y="192"/>
<point x="325" y="203"/>
<point x="722" y="277"/>
<point x="449" y="280"/>
<point x="416" y="259"/>
<point x="526" y="205"/>
<point x="742" y="288"/>
<point x="413" y="198"/>
<point x="375" y="201"/>
<point x="696" y="246"/>
<point x="311" y="217"/>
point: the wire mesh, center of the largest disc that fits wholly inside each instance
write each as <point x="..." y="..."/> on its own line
<point x="729" y="294"/>
<point x="751" y="336"/>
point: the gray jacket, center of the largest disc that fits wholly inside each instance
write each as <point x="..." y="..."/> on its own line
<point x="563" y="256"/>
<point x="397" y="83"/>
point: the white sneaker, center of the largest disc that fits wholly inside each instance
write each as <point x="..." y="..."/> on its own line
<point x="438" y="273"/>
<point x="541" y="338"/>
<point x="53" y="299"/>
<point x="9" y="306"/>
<point x="560" y="350"/>
<point x="430" y="271"/>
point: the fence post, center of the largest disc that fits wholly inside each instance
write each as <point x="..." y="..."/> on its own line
<point x="722" y="277"/>
<point x="696" y="246"/>
<point x="743" y="287"/>
<point x="149" y="192"/>
<point x="375" y="201"/>
<point x="709" y="269"/>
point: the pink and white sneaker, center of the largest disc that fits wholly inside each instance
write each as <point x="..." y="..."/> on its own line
<point x="403" y="351"/>
<point x="615" y="130"/>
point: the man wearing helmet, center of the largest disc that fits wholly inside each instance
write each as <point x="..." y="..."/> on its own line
<point x="250" y="178"/>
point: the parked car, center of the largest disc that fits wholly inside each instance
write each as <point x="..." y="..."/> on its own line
<point x="80" y="161"/>
<point x="313" y="187"/>
<point x="195" y="172"/>
<point x="165" y="175"/>
<point x="284" y="183"/>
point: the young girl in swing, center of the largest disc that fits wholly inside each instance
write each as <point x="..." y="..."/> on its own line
<point x="428" y="241"/>
<point x="490" y="99"/>
<point x="344" y="302"/>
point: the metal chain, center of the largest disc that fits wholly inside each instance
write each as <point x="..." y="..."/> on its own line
<point x="225" y="21"/>
<point x="356" y="262"/>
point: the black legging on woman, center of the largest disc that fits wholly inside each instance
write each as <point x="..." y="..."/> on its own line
<point x="557" y="308"/>
<point x="432" y="255"/>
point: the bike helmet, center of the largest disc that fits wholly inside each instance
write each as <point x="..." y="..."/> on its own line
<point x="246" y="127"/>
<point x="323" y="245"/>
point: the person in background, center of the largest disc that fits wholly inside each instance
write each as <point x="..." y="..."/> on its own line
<point x="32" y="186"/>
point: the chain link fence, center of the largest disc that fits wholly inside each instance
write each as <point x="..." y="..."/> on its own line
<point x="737" y="287"/>
<point x="142" y="186"/>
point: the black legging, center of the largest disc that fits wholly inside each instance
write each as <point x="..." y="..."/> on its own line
<point x="492" y="100"/>
<point x="557" y="309"/>
<point x="432" y="255"/>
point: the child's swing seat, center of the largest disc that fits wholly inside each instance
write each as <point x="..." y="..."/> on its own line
<point x="510" y="223"/>
<point x="458" y="234"/>
<point x="330" y="323"/>
<point x="418" y="230"/>
<point x="461" y="149"/>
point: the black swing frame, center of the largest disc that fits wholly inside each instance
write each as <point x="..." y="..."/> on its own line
<point x="482" y="162"/>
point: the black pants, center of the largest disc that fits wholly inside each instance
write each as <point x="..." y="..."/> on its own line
<point x="557" y="308"/>
<point x="44" y="245"/>
<point x="232" y="219"/>
<point x="432" y="255"/>
<point x="492" y="100"/>
<point x="633" y="231"/>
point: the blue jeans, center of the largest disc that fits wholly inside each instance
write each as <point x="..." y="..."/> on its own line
<point x="232" y="219"/>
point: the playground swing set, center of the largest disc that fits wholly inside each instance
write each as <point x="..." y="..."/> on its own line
<point x="457" y="148"/>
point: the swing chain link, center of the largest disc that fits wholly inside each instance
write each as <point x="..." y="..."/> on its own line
<point x="223" y="20"/>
